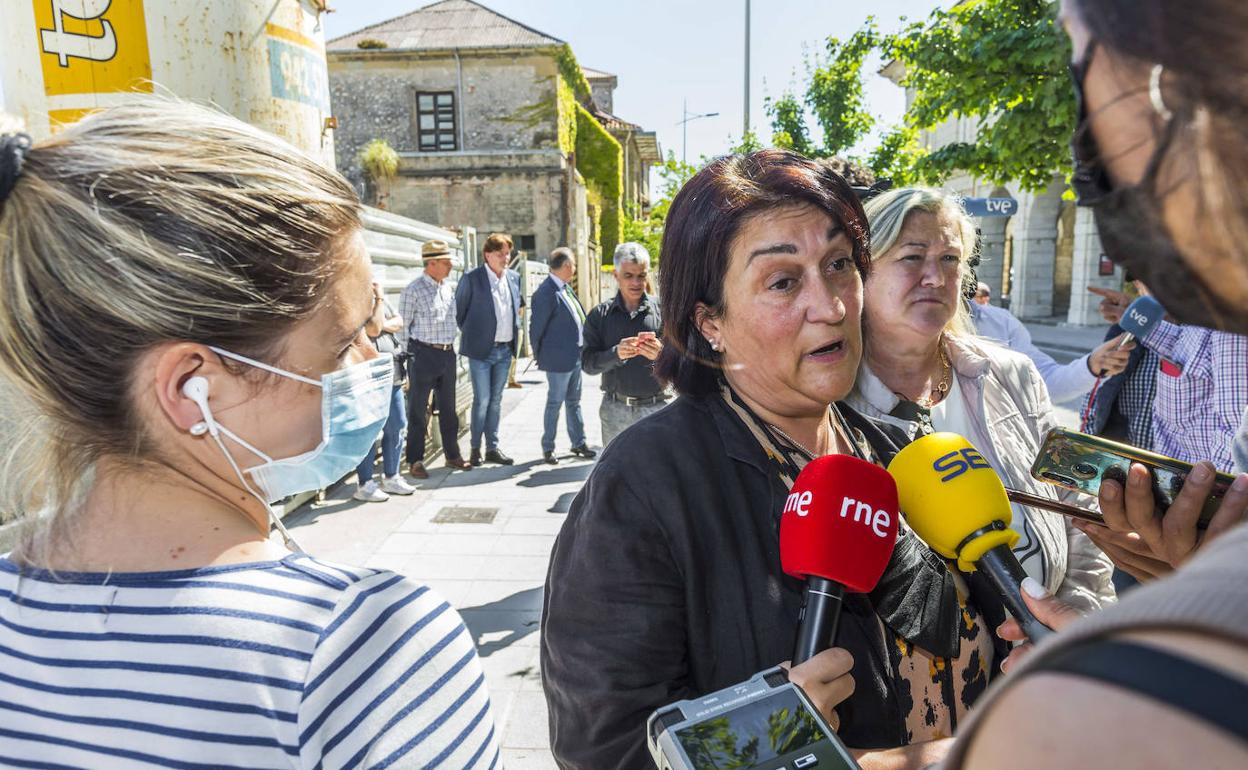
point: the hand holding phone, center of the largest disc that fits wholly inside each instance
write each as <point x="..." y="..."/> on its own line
<point x="1155" y="511"/>
<point x="1154" y="544"/>
<point x="628" y="348"/>
<point x="1079" y="462"/>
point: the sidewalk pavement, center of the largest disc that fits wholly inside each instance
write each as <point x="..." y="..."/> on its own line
<point x="1065" y="343"/>
<point x="492" y="571"/>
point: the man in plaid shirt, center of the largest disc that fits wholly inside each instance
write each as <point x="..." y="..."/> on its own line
<point x="427" y="307"/>
<point x="1201" y="388"/>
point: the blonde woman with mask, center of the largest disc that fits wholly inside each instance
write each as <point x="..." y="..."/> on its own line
<point x="925" y="370"/>
<point x="182" y="309"/>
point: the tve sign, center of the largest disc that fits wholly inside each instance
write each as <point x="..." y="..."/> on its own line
<point x="990" y="207"/>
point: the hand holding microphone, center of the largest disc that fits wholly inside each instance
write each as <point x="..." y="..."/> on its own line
<point x="956" y="503"/>
<point x="837" y="532"/>
<point x="1050" y="610"/>
<point x="1139" y="319"/>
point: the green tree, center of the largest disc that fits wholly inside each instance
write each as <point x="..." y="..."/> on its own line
<point x="896" y="156"/>
<point x="648" y="230"/>
<point x="1002" y="64"/>
<point x="749" y="143"/>
<point x="833" y="95"/>
<point x="788" y="124"/>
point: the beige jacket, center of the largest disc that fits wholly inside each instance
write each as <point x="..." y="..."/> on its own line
<point x="1010" y="412"/>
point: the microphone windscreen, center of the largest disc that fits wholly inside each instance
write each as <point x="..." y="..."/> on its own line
<point x="950" y="493"/>
<point x="840" y="522"/>
<point x="1142" y="316"/>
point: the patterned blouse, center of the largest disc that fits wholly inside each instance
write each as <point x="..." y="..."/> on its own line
<point x="936" y="692"/>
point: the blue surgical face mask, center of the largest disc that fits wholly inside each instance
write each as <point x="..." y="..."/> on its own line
<point x="355" y="403"/>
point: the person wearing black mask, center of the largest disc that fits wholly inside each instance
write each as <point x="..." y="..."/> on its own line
<point x="1162" y="158"/>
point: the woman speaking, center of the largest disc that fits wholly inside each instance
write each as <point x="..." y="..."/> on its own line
<point x="666" y="582"/>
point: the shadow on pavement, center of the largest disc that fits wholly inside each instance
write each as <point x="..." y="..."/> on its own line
<point x="337" y="499"/>
<point x="485" y="474"/>
<point x="518" y="615"/>
<point x="563" y="475"/>
<point x="563" y="504"/>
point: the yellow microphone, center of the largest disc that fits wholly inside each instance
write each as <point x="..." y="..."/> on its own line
<point x="954" y="500"/>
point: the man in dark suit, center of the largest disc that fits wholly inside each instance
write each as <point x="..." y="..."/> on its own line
<point x="487" y="309"/>
<point x="557" y="334"/>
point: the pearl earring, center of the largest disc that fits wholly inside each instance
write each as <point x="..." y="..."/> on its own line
<point x="199" y="429"/>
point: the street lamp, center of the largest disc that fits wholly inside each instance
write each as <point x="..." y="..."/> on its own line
<point x="684" y="124"/>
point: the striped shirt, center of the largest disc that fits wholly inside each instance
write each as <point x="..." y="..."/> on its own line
<point x="428" y="310"/>
<point x="295" y="663"/>
<point x="1202" y="391"/>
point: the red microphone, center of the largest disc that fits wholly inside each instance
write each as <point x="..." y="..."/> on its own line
<point x="837" y="532"/>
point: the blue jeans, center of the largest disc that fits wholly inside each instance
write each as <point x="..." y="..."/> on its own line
<point x="489" y="377"/>
<point x="563" y="389"/>
<point x="391" y="436"/>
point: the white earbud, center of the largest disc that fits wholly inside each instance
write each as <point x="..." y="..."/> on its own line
<point x="196" y="389"/>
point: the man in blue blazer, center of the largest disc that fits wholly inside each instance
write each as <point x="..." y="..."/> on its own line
<point x="487" y="309"/>
<point x="557" y="334"/>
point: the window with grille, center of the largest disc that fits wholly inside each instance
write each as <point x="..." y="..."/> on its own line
<point x="435" y="121"/>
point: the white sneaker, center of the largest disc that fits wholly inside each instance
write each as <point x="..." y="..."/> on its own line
<point x="395" y="485"/>
<point x="370" y="493"/>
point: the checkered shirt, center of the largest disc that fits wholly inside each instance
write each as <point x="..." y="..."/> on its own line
<point x="1197" y="413"/>
<point x="428" y="311"/>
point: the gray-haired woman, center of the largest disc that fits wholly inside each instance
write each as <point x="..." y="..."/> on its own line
<point x="924" y="369"/>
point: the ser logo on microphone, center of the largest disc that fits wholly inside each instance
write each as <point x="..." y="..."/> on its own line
<point x="959" y="462"/>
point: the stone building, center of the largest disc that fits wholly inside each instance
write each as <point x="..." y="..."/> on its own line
<point x="1040" y="260"/>
<point x="641" y="148"/>
<point x="490" y="119"/>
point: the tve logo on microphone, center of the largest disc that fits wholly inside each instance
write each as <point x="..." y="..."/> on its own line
<point x="1136" y="316"/>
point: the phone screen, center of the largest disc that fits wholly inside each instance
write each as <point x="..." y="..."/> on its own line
<point x="773" y="732"/>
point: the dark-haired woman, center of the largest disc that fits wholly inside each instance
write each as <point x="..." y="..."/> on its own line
<point x="1161" y="679"/>
<point x="665" y="582"/>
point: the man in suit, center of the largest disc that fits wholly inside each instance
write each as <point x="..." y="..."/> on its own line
<point x="487" y="309"/>
<point x="557" y="334"/>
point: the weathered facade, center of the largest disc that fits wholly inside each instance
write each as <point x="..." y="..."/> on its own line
<point x="478" y="108"/>
<point x="641" y="148"/>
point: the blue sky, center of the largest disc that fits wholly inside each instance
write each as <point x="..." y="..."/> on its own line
<point x="665" y="51"/>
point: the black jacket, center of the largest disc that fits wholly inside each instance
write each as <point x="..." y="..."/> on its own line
<point x="665" y="583"/>
<point x="605" y="326"/>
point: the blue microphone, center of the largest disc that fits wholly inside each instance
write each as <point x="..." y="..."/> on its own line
<point x="1140" y="318"/>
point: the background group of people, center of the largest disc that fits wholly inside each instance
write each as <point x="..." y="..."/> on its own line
<point x="619" y="339"/>
<point x="147" y="616"/>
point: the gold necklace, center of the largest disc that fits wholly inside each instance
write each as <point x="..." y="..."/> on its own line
<point x="832" y="424"/>
<point x="937" y="395"/>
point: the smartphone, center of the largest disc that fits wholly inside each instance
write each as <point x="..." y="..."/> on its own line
<point x="643" y="336"/>
<point x="1078" y="461"/>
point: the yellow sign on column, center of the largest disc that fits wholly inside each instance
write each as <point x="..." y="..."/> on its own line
<point x="89" y="47"/>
